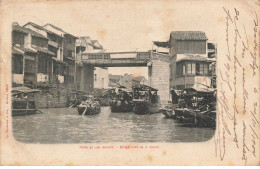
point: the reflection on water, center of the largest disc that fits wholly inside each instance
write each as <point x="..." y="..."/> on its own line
<point x="64" y="125"/>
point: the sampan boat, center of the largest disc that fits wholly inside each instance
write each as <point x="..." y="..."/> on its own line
<point x="89" y="107"/>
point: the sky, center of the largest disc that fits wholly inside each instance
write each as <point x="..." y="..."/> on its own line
<point x="121" y="25"/>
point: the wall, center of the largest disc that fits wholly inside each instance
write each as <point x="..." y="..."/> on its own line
<point x="159" y="78"/>
<point x="88" y="78"/>
<point x="100" y="73"/>
<point x="53" y="97"/>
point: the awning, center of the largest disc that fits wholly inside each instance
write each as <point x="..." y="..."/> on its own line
<point x="23" y="89"/>
<point x="161" y="44"/>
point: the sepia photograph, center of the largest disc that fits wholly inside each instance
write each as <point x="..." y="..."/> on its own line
<point x="133" y="77"/>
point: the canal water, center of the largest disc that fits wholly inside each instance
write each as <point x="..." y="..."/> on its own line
<point x="64" y="125"/>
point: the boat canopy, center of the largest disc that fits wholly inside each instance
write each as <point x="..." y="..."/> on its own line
<point x="23" y="89"/>
<point x="143" y="87"/>
<point x="199" y="91"/>
<point x="127" y="90"/>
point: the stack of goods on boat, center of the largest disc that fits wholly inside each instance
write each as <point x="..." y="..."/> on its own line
<point x="145" y="99"/>
<point x="75" y="98"/>
<point x="89" y="106"/>
<point x="121" y="100"/>
<point x="23" y="101"/>
<point x="196" y="106"/>
<point x="105" y="97"/>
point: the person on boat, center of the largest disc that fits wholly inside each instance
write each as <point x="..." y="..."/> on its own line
<point x="153" y="98"/>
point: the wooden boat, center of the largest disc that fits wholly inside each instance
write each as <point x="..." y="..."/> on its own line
<point x="197" y="107"/>
<point x="146" y="100"/>
<point x="122" y="100"/>
<point x="89" y="107"/>
<point x="23" y="101"/>
<point x="75" y="98"/>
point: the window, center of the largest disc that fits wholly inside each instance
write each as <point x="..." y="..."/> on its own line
<point x="18" y="38"/>
<point x="193" y="68"/>
<point x="102" y="83"/>
<point x="183" y="70"/>
<point x="42" y="64"/>
<point x="188" y="71"/>
<point x="201" y="69"/>
<point x="206" y="69"/>
<point x="17" y="64"/>
<point x="95" y="77"/>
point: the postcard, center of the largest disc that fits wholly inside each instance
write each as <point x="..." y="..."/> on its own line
<point x="134" y="83"/>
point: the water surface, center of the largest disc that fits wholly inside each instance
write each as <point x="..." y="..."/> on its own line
<point x="64" y="125"/>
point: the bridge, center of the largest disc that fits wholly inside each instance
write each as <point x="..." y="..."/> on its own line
<point x="158" y="67"/>
<point x="106" y="59"/>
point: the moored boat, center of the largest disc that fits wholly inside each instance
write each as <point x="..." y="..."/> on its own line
<point x="23" y="101"/>
<point x="122" y="100"/>
<point x="146" y="100"/>
<point x="197" y="107"/>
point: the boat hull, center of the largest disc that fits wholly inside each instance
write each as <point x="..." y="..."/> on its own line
<point x="89" y="111"/>
<point x="121" y="106"/>
<point x="145" y="107"/>
<point x="196" y="118"/>
<point x="20" y="112"/>
<point x="168" y="113"/>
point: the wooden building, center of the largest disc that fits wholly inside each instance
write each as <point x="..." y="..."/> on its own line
<point x="68" y="52"/>
<point x="30" y="49"/>
<point x="189" y="63"/>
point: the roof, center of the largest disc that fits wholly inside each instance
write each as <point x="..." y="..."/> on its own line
<point x="25" y="49"/>
<point x="23" y="89"/>
<point x="188" y="35"/>
<point x="59" y="29"/>
<point x="43" y="50"/>
<point x="40" y="27"/>
<point x="27" y="31"/>
<point x="190" y="57"/>
<point x="203" y="90"/>
<point x="161" y="44"/>
<point x="17" y="51"/>
<point x="143" y="87"/>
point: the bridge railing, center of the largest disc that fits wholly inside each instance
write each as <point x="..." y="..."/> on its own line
<point x="107" y="56"/>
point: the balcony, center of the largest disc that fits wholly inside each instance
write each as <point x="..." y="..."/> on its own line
<point x="54" y="44"/>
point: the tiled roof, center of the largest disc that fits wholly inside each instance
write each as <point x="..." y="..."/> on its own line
<point x="40" y="27"/>
<point x="188" y="35"/>
<point x="59" y="29"/>
<point x="27" y="31"/>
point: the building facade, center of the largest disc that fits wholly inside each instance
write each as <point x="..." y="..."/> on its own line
<point x="100" y="78"/>
<point x="55" y="45"/>
<point x="87" y="48"/>
<point x="67" y="53"/>
<point x="189" y="62"/>
<point x="36" y="59"/>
